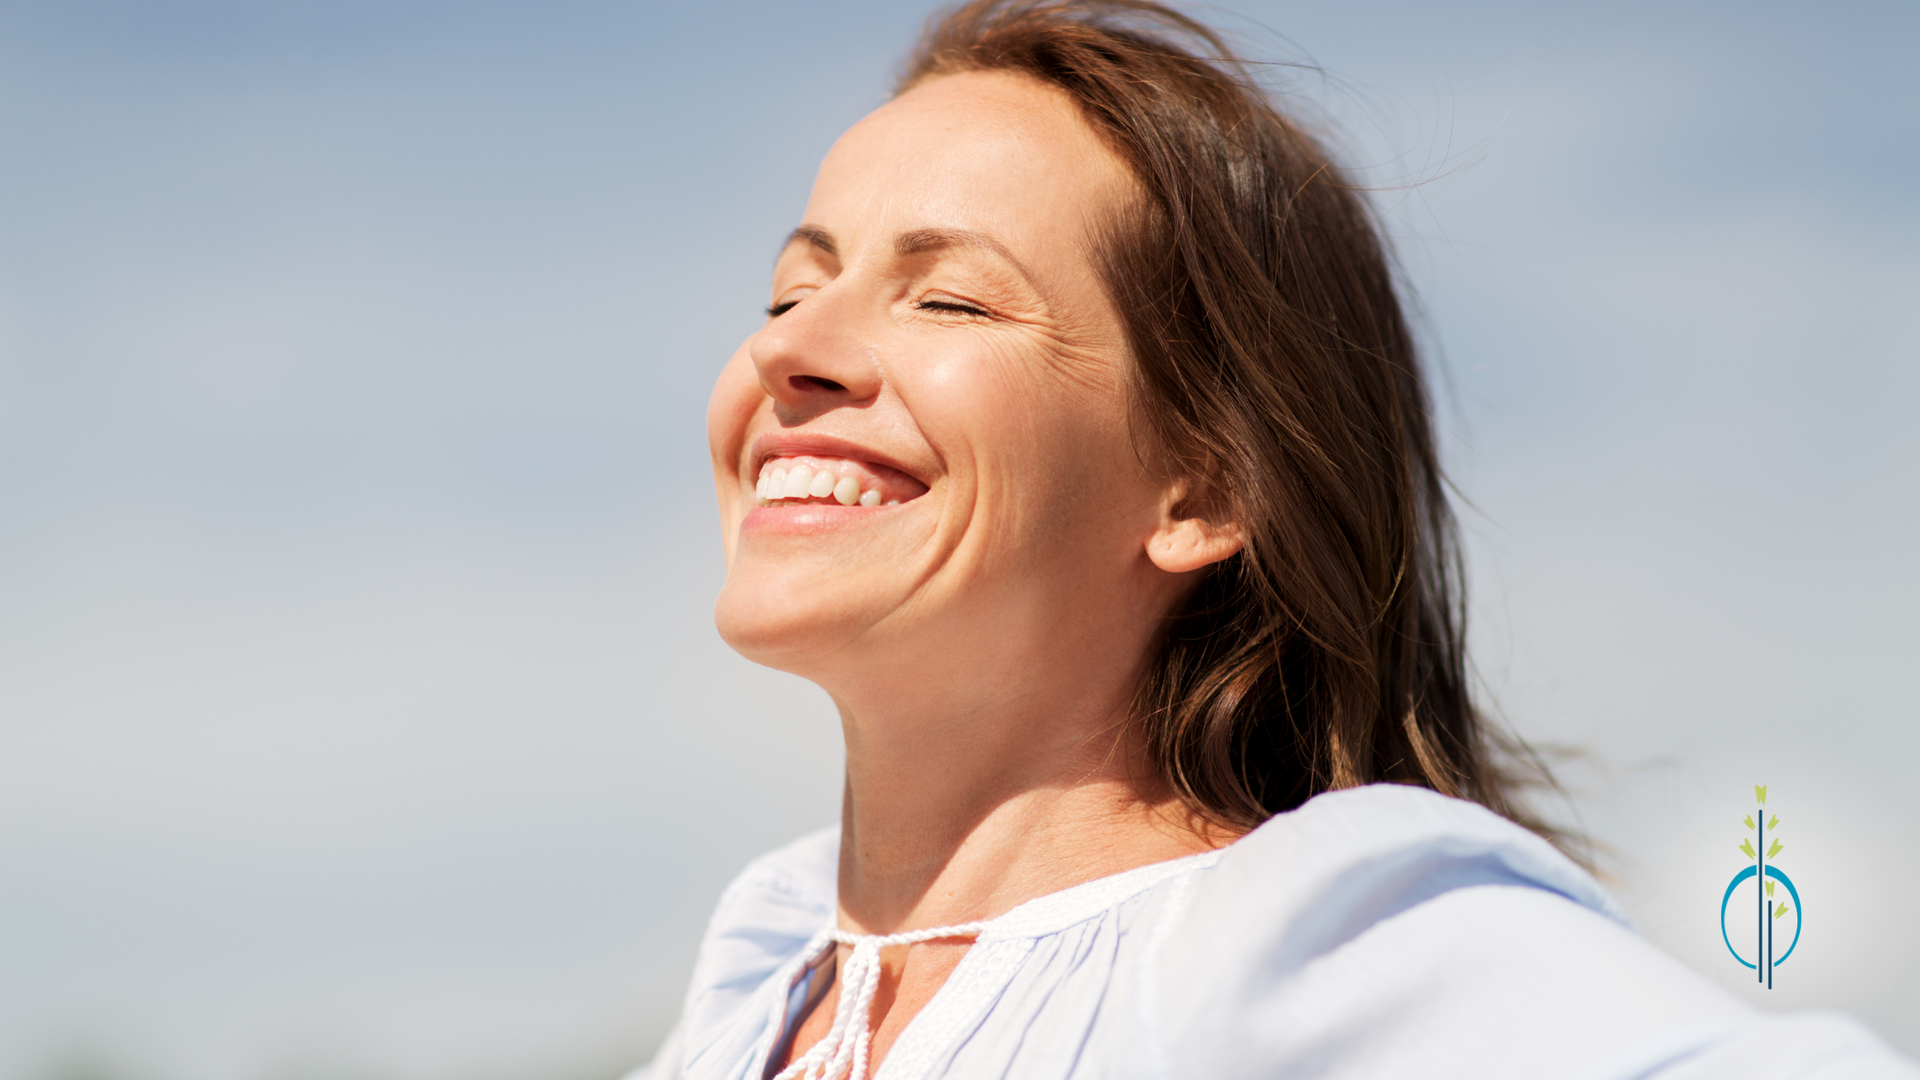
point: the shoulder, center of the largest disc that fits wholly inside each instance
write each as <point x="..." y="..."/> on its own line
<point x="1384" y="930"/>
<point x="800" y="875"/>
<point x="1348" y="863"/>
<point x="1348" y="859"/>
<point x="763" y="919"/>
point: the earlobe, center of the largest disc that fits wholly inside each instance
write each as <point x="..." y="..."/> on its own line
<point x="1192" y="536"/>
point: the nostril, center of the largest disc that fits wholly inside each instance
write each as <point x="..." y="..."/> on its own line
<point x="813" y="382"/>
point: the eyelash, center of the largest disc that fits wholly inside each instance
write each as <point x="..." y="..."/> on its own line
<point x="950" y="306"/>
<point x="776" y="310"/>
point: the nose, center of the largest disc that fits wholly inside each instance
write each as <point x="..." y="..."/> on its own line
<point x="813" y="357"/>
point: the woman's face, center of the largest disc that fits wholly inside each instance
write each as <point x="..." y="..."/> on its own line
<point x="923" y="459"/>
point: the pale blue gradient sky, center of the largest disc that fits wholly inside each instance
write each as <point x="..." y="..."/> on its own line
<point x="360" y="712"/>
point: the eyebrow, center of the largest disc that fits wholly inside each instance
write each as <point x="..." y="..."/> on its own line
<point x="919" y="240"/>
<point x="913" y="242"/>
<point x="814" y="236"/>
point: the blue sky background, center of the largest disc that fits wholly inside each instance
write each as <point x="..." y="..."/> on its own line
<point x="360" y="711"/>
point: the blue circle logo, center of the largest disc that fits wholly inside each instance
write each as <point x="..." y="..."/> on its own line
<point x="1764" y="874"/>
<point x="1774" y="873"/>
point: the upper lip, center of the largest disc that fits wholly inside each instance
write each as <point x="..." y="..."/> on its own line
<point x="785" y="444"/>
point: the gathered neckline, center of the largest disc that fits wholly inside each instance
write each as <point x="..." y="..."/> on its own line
<point x="844" y="1052"/>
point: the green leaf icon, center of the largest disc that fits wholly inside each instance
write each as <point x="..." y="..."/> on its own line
<point x="1746" y="849"/>
<point x="1769" y="888"/>
<point x="1774" y="849"/>
<point x="1760" y="793"/>
<point x="1775" y="823"/>
<point x="1781" y="910"/>
<point x="1747" y="821"/>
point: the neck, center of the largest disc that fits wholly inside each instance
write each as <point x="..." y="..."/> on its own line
<point x="965" y="813"/>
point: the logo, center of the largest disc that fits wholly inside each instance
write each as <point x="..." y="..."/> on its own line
<point x="1764" y="875"/>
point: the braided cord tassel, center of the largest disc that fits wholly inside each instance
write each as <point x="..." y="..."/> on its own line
<point x="843" y="1052"/>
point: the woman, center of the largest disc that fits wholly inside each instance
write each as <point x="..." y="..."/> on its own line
<point x="1085" y="461"/>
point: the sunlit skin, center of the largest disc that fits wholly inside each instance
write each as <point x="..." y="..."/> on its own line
<point x="937" y="326"/>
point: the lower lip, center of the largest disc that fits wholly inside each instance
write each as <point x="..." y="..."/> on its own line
<point x="808" y="517"/>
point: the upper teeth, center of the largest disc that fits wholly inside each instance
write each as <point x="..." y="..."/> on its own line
<point x="802" y="481"/>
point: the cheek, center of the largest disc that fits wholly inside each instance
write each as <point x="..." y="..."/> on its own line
<point x="1047" y="435"/>
<point x="736" y="394"/>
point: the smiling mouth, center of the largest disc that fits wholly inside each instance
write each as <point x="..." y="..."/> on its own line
<point x="829" y="481"/>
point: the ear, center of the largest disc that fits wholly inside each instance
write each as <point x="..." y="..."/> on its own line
<point x="1193" y="533"/>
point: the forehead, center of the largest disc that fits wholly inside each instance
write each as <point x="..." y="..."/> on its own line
<point x="994" y="152"/>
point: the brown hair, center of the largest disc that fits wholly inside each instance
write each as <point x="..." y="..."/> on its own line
<point x="1271" y="361"/>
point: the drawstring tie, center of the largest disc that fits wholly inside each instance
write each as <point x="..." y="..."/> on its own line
<point x="843" y="1052"/>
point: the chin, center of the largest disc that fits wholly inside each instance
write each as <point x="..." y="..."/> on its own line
<point x="781" y="623"/>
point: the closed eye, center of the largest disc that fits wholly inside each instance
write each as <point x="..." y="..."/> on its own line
<point x="953" y="306"/>
<point x="780" y="308"/>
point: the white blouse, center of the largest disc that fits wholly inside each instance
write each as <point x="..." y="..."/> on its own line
<point x="1384" y="931"/>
